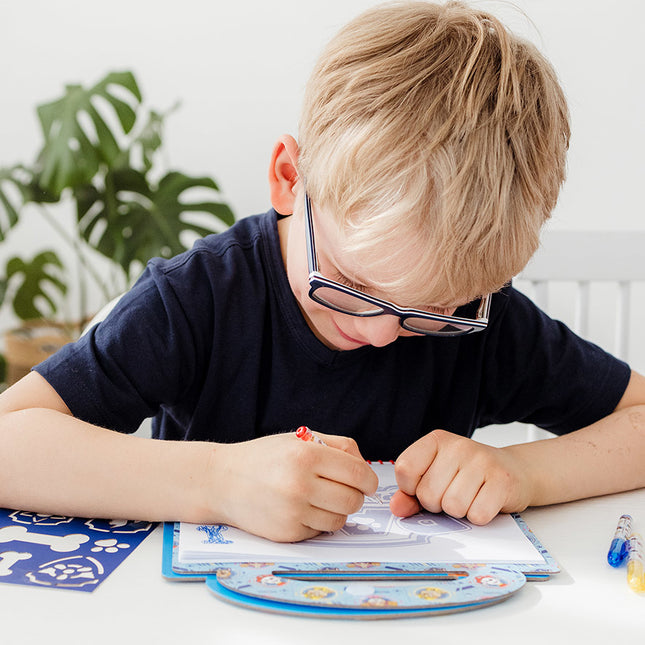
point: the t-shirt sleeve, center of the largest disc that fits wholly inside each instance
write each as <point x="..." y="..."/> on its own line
<point x="143" y="355"/>
<point x="544" y="374"/>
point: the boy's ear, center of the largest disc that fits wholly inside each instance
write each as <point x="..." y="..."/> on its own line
<point x="283" y="174"/>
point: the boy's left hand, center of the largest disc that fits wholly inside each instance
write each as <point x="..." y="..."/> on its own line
<point x="446" y="472"/>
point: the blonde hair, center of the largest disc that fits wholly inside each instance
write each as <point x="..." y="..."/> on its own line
<point x="433" y="129"/>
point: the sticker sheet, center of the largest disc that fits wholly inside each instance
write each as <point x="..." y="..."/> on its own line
<point x="280" y="589"/>
<point x="64" y="552"/>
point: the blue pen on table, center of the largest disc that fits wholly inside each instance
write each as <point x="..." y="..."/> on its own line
<point x="618" y="550"/>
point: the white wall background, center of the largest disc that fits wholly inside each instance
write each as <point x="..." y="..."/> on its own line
<point x="239" y="69"/>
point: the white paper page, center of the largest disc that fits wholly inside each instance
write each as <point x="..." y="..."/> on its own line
<point x="373" y="534"/>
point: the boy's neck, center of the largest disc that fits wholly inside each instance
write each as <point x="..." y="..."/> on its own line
<point x="283" y="234"/>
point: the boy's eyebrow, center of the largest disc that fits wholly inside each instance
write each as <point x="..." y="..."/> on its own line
<point x="353" y="278"/>
<point x="348" y="275"/>
<point x="372" y="285"/>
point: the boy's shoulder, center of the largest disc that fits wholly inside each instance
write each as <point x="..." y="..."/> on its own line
<point x="245" y="233"/>
<point x="250" y="233"/>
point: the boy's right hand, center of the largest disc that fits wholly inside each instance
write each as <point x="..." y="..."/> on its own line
<point x="287" y="490"/>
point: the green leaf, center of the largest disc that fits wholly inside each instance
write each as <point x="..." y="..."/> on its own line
<point x="31" y="278"/>
<point x="4" y="283"/>
<point x="39" y="195"/>
<point x="71" y="155"/>
<point x="149" y="139"/>
<point x="135" y="221"/>
<point x="12" y="199"/>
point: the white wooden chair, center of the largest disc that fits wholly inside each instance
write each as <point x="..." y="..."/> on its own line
<point x="594" y="281"/>
<point x="582" y="259"/>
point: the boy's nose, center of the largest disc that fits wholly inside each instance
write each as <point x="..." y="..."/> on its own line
<point x="380" y="330"/>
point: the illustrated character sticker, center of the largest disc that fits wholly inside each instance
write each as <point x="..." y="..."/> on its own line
<point x="271" y="580"/>
<point x="490" y="581"/>
<point x="318" y="593"/>
<point x="214" y="533"/>
<point x="363" y="565"/>
<point x="257" y="565"/>
<point x="379" y="602"/>
<point x="73" y="572"/>
<point x="431" y="593"/>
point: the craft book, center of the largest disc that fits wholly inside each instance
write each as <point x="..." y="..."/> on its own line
<point x="428" y="563"/>
<point x="372" y="534"/>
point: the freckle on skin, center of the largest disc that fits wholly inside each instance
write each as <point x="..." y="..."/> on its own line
<point x="637" y="419"/>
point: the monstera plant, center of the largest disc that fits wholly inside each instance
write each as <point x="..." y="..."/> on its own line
<point x="100" y="156"/>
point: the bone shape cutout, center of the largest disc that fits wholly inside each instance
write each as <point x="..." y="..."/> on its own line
<point x="58" y="543"/>
<point x="8" y="559"/>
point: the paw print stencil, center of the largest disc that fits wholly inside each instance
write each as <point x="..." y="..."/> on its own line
<point x="75" y="572"/>
<point x="108" y="546"/>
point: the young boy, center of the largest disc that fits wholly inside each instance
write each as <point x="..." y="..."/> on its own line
<point x="370" y="305"/>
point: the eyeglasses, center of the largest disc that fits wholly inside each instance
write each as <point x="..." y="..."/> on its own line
<point x="340" y="297"/>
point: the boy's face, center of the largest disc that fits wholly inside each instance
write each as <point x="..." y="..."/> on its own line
<point x="335" y="329"/>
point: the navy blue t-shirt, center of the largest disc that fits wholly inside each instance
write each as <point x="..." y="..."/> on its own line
<point x="213" y="345"/>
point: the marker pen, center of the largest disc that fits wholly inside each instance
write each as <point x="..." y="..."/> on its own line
<point x="304" y="433"/>
<point x="635" y="565"/>
<point x="619" y="545"/>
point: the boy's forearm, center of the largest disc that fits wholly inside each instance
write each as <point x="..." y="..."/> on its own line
<point x="53" y="463"/>
<point x="606" y="457"/>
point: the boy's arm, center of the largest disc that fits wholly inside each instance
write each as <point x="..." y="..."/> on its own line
<point x="605" y="457"/>
<point x="443" y="471"/>
<point x="275" y="486"/>
<point x="55" y="463"/>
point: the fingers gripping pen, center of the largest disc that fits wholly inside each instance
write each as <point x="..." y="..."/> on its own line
<point x="304" y="433"/>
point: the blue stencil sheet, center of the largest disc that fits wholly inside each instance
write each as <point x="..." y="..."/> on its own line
<point x="64" y="552"/>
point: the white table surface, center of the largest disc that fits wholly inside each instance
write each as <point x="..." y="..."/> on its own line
<point x="587" y="602"/>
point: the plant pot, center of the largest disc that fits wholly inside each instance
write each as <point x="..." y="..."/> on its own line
<point x="31" y="344"/>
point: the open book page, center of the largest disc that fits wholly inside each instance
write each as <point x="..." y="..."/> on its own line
<point x="373" y="534"/>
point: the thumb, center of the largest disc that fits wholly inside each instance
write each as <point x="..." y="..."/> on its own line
<point x="404" y="505"/>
